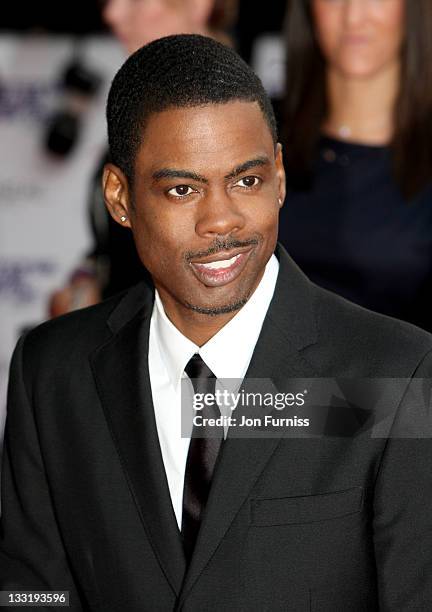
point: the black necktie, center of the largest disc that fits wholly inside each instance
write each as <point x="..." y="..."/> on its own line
<point x="202" y="455"/>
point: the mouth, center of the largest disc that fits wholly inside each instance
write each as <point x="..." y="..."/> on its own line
<point x="222" y="268"/>
<point x="356" y="39"/>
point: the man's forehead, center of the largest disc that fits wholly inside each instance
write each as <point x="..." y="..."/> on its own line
<point x="226" y="134"/>
<point x="207" y="120"/>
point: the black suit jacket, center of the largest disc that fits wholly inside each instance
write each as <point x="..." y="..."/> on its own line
<point x="322" y="524"/>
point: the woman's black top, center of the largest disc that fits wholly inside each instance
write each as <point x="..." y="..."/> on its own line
<point x="353" y="233"/>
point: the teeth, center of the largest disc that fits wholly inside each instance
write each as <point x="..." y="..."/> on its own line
<point x="219" y="265"/>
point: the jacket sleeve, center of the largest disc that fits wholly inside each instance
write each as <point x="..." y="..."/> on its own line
<point x="402" y="527"/>
<point x="32" y="555"/>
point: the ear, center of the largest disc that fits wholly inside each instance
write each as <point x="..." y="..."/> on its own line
<point x="116" y="194"/>
<point x="280" y="173"/>
<point x="200" y="11"/>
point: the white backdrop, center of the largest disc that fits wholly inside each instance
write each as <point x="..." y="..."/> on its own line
<point x="43" y="228"/>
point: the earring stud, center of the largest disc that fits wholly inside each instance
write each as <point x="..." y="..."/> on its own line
<point x="123" y="218"/>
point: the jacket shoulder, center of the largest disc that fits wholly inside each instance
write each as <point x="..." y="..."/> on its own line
<point x="85" y="323"/>
<point x="376" y="344"/>
<point x="72" y="337"/>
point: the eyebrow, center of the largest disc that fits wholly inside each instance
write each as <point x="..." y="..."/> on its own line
<point x="164" y="173"/>
<point x="172" y="173"/>
<point x="248" y="165"/>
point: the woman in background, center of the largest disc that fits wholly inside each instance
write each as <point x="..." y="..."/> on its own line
<point x="138" y="22"/>
<point x="358" y="151"/>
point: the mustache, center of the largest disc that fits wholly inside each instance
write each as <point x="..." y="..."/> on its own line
<point x="221" y="244"/>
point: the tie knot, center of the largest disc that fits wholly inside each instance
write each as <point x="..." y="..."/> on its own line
<point x="198" y="369"/>
<point x="202" y="378"/>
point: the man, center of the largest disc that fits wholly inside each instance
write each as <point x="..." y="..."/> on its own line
<point x="102" y="496"/>
<point x="113" y="265"/>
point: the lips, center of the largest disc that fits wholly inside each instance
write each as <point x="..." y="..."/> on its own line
<point x="355" y="39"/>
<point x="221" y="269"/>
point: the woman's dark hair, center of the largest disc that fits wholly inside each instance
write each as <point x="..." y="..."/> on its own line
<point x="306" y="103"/>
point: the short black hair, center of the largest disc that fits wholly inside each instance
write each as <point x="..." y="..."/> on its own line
<point x="183" y="70"/>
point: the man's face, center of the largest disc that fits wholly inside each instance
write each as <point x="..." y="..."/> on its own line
<point x="207" y="191"/>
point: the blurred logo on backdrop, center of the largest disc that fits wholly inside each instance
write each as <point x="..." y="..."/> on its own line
<point x="20" y="279"/>
<point x="25" y="100"/>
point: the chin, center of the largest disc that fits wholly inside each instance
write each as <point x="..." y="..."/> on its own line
<point x="215" y="308"/>
<point x="359" y="70"/>
<point x="357" y="65"/>
<point x="214" y="311"/>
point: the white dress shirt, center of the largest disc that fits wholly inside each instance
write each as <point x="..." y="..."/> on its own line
<point x="227" y="354"/>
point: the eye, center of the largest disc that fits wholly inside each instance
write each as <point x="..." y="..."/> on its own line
<point x="181" y="191"/>
<point x="248" y="182"/>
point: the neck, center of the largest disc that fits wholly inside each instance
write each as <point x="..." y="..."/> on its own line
<point x="361" y="109"/>
<point x="198" y="327"/>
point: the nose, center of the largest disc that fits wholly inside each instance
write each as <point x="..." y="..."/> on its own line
<point x="355" y="11"/>
<point x="218" y="215"/>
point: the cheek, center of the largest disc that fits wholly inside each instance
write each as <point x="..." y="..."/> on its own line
<point x="142" y="31"/>
<point x="328" y="28"/>
<point x="391" y="25"/>
<point x="265" y="222"/>
<point x="143" y="21"/>
<point x="145" y="15"/>
<point x="156" y="21"/>
<point x="158" y="240"/>
<point x="390" y="12"/>
<point x="261" y="213"/>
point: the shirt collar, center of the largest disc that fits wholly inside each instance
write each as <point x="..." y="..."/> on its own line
<point x="228" y="352"/>
<point x="175" y="348"/>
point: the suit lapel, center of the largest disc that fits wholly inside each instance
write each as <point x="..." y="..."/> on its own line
<point x="120" y="369"/>
<point x="290" y="325"/>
